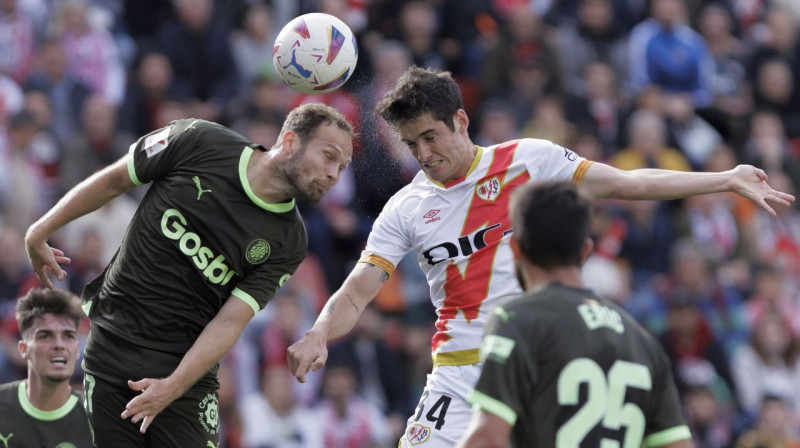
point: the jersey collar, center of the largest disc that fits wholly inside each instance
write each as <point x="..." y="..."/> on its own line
<point x="38" y="414"/>
<point x="472" y="167"/>
<point x="281" y="207"/>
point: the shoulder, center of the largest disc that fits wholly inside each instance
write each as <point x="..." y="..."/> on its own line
<point x="8" y="392"/>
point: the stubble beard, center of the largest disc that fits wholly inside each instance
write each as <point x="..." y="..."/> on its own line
<point x="292" y="177"/>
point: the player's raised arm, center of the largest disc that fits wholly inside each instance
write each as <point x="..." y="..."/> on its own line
<point x="337" y="318"/>
<point x="86" y="197"/>
<point x="655" y="184"/>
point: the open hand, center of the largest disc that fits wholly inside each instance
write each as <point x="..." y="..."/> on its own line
<point x="155" y="397"/>
<point x="45" y="260"/>
<point x="751" y="182"/>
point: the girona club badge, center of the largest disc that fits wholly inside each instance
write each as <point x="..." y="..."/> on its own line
<point x="488" y="190"/>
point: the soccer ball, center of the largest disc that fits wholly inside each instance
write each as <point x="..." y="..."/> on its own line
<point x="315" y="53"/>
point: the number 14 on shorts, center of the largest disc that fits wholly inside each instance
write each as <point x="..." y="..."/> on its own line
<point x="419" y="431"/>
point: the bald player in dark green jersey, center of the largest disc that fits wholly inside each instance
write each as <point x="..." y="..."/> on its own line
<point x="215" y="236"/>
<point x="43" y="410"/>
<point x="562" y="366"/>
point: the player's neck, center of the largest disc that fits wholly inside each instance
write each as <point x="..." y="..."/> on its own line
<point x="265" y="179"/>
<point x="537" y="278"/>
<point x="46" y="395"/>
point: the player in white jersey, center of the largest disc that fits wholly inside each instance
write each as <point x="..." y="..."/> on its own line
<point x="454" y="216"/>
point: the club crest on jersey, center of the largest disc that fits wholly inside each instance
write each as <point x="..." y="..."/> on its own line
<point x="488" y="190"/>
<point x="154" y="144"/>
<point x="417" y="434"/>
<point x="257" y="251"/>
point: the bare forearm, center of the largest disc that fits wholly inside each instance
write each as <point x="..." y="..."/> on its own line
<point x="655" y="184"/>
<point x="345" y="306"/>
<point x="84" y="198"/>
<point x="213" y="343"/>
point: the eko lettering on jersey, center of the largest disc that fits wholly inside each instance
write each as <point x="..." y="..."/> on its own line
<point x="460" y="233"/>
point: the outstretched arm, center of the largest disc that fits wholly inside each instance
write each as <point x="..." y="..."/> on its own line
<point x="84" y="198"/>
<point x="337" y="318"/>
<point x="604" y="181"/>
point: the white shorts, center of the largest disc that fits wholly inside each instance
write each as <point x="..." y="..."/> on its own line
<point x="442" y="416"/>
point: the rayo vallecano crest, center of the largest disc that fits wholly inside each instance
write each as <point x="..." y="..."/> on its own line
<point x="489" y="189"/>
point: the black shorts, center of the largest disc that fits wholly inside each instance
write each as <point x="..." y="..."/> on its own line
<point x="109" y="362"/>
<point x="190" y="421"/>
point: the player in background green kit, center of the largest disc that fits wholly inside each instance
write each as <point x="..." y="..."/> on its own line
<point x="215" y="236"/>
<point x="562" y="366"/>
<point x="43" y="410"/>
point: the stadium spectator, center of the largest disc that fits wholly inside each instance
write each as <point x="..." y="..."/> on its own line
<point x="17" y="41"/>
<point x="548" y="122"/>
<point x="664" y="51"/>
<point x="91" y="52"/>
<point x="66" y="92"/>
<point x="730" y="87"/>
<point x="599" y="108"/>
<point x="99" y="143"/>
<point x="708" y="407"/>
<point x="497" y="123"/>
<point x="768" y="145"/>
<point x="595" y="37"/>
<point x="647" y="148"/>
<point x="695" y="138"/>
<point x="252" y="47"/>
<point x="347" y="420"/>
<point x="768" y="366"/>
<point x="147" y="92"/>
<point x="772" y="295"/>
<point x="197" y="45"/>
<point x="376" y="365"/>
<point x="23" y="197"/>
<point x="273" y="418"/>
<point x="774" y="428"/>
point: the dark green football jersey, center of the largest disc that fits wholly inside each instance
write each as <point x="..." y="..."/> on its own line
<point x="24" y="426"/>
<point x="566" y="368"/>
<point x="199" y="236"/>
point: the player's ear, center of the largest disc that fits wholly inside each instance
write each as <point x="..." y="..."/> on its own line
<point x="586" y="250"/>
<point x="290" y="142"/>
<point x="461" y="121"/>
<point x="23" y="349"/>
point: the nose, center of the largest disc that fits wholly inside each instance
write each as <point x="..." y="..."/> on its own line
<point x="423" y="152"/>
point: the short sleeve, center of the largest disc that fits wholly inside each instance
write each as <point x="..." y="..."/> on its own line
<point x="546" y="160"/>
<point x="505" y="376"/>
<point x="388" y="242"/>
<point x="666" y="423"/>
<point x="158" y="153"/>
<point x="259" y="286"/>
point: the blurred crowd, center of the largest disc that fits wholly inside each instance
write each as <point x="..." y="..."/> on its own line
<point x="686" y="85"/>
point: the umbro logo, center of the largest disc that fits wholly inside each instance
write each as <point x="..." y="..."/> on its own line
<point x="431" y="216"/>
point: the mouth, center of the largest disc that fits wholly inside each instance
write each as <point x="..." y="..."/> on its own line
<point x="432" y="164"/>
<point x="58" y="360"/>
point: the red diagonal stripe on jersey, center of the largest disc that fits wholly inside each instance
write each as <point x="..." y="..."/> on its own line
<point x="466" y="292"/>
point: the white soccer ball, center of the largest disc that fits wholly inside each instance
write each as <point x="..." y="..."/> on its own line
<point x="315" y="53"/>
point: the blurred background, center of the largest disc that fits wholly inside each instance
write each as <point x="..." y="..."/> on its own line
<point x="686" y="85"/>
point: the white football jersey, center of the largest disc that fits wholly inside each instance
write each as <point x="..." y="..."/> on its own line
<point x="460" y="234"/>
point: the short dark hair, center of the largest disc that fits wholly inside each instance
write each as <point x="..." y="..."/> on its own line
<point x="304" y="121"/>
<point x="420" y="91"/>
<point x="551" y="222"/>
<point x="39" y="302"/>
